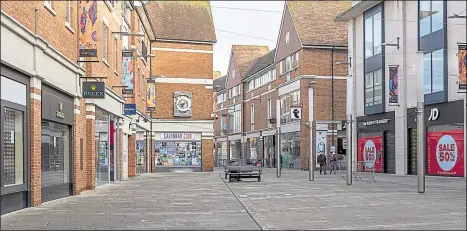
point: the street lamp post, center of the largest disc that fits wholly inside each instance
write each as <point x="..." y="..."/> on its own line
<point x="420" y="125"/>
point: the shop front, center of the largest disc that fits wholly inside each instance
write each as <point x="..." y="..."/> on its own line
<point x="376" y="143"/>
<point x="253" y="148"/>
<point x="180" y="151"/>
<point x="56" y="144"/>
<point x="290" y="146"/>
<point x="221" y="153"/>
<point x="141" y="155"/>
<point x="444" y="139"/>
<point x="14" y="140"/>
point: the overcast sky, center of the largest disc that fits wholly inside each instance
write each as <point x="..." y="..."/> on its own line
<point x="259" y="24"/>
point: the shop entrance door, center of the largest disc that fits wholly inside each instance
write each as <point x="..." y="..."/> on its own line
<point x="56" y="161"/>
<point x="125" y="157"/>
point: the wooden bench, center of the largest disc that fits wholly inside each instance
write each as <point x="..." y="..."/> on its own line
<point x="235" y="173"/>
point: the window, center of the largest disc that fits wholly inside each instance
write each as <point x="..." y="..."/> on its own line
<point x="143" y="96"/>
<point x="374" y="88"/>
<point x="252" y="113"/>
<point x="297" y="59"/>
<point x="269" y="108"/>
<point x="235" y="119"/>
<point x="126" y="13"/>
<point x="431" y="16"/>
<point x="288" y="64"/>
<point x="273" y="74"/>
<point x="281" y="69"/>
<point x="287" y="101"/>
<point x="139" y="78"/>
<point x="13" y="147"/>
<point x="287" y="38"/>
<point x="373" y="34"/>
<point x="105" y="32"/>
<point x="233" y="73"/>
<point x="433" y="72"/>
<point x="68" y="13"/>
<point x="115" y="55"/>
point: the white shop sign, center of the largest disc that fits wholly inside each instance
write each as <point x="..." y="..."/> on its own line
<point x="178" y="136"/>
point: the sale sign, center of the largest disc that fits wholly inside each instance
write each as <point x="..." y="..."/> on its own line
<point x="445" y="153"/>
<point x="370" y="153"/>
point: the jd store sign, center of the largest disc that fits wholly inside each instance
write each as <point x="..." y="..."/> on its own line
<point x="94" y="90"/>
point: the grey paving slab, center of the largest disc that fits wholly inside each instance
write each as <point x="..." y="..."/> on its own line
<point x="204" y="201"/>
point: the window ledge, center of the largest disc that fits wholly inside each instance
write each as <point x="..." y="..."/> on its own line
<point x="115" y="72"/>
<point x="68" y="26"/>
<point x="105" y="62"/>
<point x="49" y="8"/>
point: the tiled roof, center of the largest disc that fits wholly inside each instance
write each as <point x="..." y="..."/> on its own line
<point x="261" y="63"/>
<point x="246" y="55"/>
<point x="219" y="84"/>
<point x="182" y="20"/>
<point x="315" y="23"/>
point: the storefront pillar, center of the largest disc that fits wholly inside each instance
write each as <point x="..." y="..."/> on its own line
<point x="90" y="147"/>
<point x="132" y="155"/>
<point x="79" y="134"/>
<point x="35" y="138"/>
<point x="207" y="160"/>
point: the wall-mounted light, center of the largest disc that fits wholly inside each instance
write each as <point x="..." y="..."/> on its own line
<point x="349" y="63"/>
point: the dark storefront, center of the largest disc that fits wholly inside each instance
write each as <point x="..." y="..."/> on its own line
<point x="14" y="140"/>
<point x="444" y="139"/>
<point x="376" y="142"/>
<point x="269" y="159"/>
<point x="56" y="144"/>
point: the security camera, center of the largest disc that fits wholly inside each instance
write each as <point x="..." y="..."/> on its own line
<point x="214" y="116"/>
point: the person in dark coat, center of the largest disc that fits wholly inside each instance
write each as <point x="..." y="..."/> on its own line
<point x="322" y="163"/>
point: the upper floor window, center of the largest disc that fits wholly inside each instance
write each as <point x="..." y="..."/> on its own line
<point x="373" y="34"/>
<point x="126" y="13"/>
<point x="288" y="64"/>
<point x="68" y="13"/>
<point x="115" y="54"/>
<point x="105" y="31"/>
<point x="262" y="80"/>
<point x="433" y="72"/>
<point x="287" y="101"/>
<point x="220" y="98"/>
<point x="269" y="111"/>
<point x="233" y="73"/>
<point x="252" y="114"/>
<point x="374" y="88"/>
<point x="431" y="16"/>
<point x="287" y="38"/>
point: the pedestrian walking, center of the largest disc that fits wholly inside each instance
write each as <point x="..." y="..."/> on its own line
<point x="322" y="162"/>
<point x="333" y="163"/>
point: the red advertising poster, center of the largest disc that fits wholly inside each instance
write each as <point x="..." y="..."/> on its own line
<point x="445" y="153"/>
<point x="370" y="154"/>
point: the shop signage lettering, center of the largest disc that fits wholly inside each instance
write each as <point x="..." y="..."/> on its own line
<point x="178" y="136"/>
<point x="60" y="114"/>
<point x="374" y="122"/>
<point x="129" y="109"/>
<point x="434" y="114"/>
<point x="94" y="90"/>
<point x="445" y="153"/>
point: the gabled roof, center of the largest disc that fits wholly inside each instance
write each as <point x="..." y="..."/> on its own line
<point x="246" y="55"/>
<point x="182" y="20"/>
<point x="261" y="63"/>
<point x="219" y="84"/>
<point x="314" y="21"/>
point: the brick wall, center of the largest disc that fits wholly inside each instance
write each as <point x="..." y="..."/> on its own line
<point x="132" y="155"/>
<point x="207" y="156"/>
<point x="80" y="178"/>
<point x="35" y="140"/>
<point x="120" y="152"/>
<point x="90" y="164"/>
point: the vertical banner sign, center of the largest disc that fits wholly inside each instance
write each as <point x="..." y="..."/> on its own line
<point x="370" y="154"/>
<point x="445" y="153"/>
<point x="321" y="144"/>
<point x="127" y="72"/>
<point x="462" y="65"/>
<point x="87" y="28"/>
<point x="394" y="84"/>
<point x="151" y="96"/>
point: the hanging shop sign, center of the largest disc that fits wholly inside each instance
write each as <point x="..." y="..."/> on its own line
<point x="445" y="153"/>
<point x="88" y="28"/>
<point x="296" y="113"/>
<point x="462" y="66"/>
<point x="127" y="72"/>
<point x="93" y="90"/>
<point x="370" y="154"/>
<point x="151" y="96"/>
<point x="130" y="109"/>
<point x="393" y="84"/>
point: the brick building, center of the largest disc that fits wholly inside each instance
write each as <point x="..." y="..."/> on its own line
<point x="308" y="44"/>
<point x="61" y="142"/>
<point x="183" y="73"/>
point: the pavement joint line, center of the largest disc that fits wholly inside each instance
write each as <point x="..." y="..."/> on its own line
<point x="244" y="207"/>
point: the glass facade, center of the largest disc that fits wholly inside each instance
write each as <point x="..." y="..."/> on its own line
<point x="373" y="34"/>
<point x="102" y="148"/>
<point x="374" y="88"/>
<point x="221" y="159"/>
<point x="55" y="154"/>
<point x="290" y="146"/>
<point x="178" y="153"/>
<point x="235" y="149"/>
<point x="13" y="153"/>
<point x="433" y="71"/>
<point x="141" y="163"/>
<point x="289" y="100"/>
<point x="431" y="16"/>
<point x="269" y="159"/>
<point x="253" y="149"/>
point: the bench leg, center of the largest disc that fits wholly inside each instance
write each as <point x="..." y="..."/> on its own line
<point x="259" y="178"/>
<point x="226" y="176"/>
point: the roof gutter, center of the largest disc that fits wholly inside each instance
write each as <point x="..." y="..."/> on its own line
<point x="184" y="41"/>
<point x="335" y="47"/>
<point x="355" y="10"/>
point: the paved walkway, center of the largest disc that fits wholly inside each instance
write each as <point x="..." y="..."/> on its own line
<point x="205" y="201"/>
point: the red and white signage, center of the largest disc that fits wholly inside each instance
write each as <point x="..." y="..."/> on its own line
<point x="445" y="153"/>
<point x="370" y="153"/>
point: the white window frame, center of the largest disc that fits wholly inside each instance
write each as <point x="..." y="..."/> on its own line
<point x="68" y="13"/>
<point x="139" y="85"/>
<point x="269" y="107"/>
<point x="143" y="95"/>
<point x="252" y="113"/>
<point x="297" y="59"/>
<point x="287" y="38"/>
<point x="281" y="69"/>
<point x="115" y="55"/>
<point x="105" y="45"/>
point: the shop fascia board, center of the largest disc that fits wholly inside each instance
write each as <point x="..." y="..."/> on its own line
<point x="188" y="126"/>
